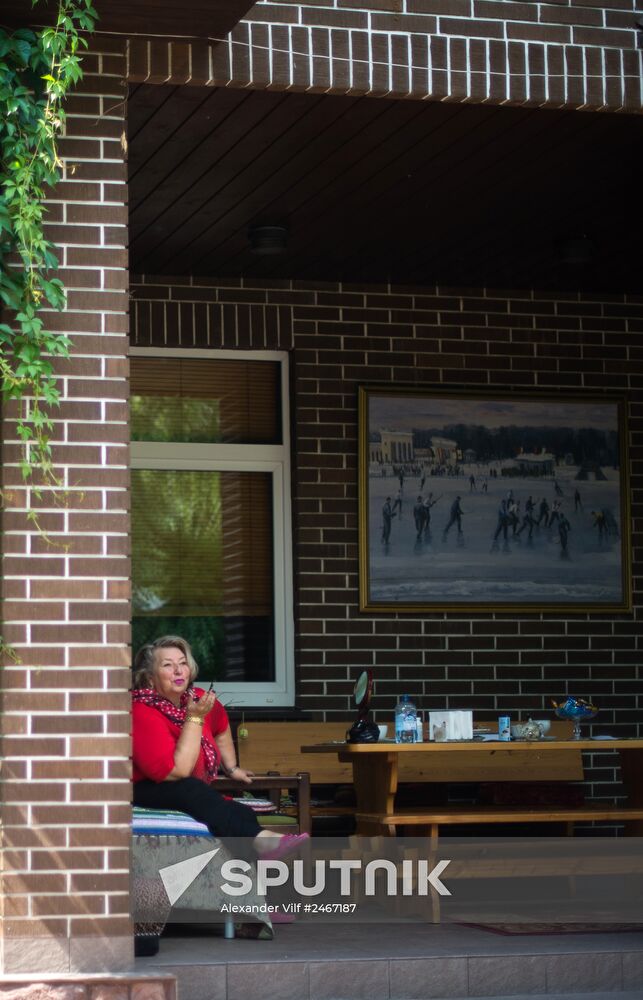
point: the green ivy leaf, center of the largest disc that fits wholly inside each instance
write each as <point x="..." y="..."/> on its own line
<point x="37" y="70"/>
<point x="26" y="34"/>
<point x="25" y="432"/>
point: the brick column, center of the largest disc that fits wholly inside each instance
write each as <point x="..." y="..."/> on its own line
<point x="65" y="787"/>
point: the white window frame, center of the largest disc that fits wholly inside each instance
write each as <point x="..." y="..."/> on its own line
<point x="273" y="459"/>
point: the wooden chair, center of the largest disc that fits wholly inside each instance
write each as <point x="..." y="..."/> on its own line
<point x="273" y="784"/>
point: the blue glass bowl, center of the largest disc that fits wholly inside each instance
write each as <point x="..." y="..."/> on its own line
<point x="577" y="711"/>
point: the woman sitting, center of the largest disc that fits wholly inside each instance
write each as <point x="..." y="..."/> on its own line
<point x="181" y="737"/>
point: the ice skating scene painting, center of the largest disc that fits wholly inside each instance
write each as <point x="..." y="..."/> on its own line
<point x="484" y="502"/>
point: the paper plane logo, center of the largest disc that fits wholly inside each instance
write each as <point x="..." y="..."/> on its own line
<point x="179" y="877"/>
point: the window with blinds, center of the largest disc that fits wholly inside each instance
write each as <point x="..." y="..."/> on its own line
<point x="196" y="401"/>
<point x="211" y="518"/>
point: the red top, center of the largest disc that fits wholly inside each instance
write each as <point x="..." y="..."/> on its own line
<point x="155" y="738"/>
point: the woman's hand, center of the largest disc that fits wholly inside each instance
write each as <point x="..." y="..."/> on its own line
<point x="240" y="774"/>
<point x="203" y="706"/>
<point x="228" y="756"/>
<point x="188" y="746"/>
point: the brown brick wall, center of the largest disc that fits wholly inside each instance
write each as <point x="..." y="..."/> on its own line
<point x="65" y="779"/>
<point x="341" y="336"/>
<point x="574" y="55"/>
<point x="66" y="609"/>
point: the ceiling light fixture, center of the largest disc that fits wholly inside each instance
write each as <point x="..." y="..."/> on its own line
<point x="268" y="241"/>
<point x="577" y="250"/>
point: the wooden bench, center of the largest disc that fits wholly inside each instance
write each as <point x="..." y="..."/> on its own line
<point x="428" y="822"/>
<point x="274" y="748"/>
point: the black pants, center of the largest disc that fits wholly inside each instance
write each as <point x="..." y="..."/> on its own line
<point x="202" y="802"/>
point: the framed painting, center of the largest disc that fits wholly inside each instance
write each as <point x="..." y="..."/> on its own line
<point x="489" y="502"/>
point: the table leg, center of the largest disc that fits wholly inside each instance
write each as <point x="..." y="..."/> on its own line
<point x="375" y="780"/>
<point x="631" y="771"/>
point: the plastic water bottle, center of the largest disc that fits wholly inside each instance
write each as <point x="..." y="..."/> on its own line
<point x="405" y="721"/>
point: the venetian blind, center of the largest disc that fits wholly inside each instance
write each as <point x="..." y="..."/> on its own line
<point x="200" y="400"/>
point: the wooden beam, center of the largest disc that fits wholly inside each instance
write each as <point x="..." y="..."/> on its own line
<point x="193" y="18"/>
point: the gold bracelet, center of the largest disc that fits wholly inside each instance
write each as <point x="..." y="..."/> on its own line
<point x="194" y="718"/>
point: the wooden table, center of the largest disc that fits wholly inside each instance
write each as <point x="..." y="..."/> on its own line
<point x="376" y="769"/>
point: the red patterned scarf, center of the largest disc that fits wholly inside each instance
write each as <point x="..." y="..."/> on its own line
<point x="148" y="696"/>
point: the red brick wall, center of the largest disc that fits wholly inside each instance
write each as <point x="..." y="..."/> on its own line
<point x="581" y="54"/>
<point x="65" y="601"/>
<point x="341" y="336"/>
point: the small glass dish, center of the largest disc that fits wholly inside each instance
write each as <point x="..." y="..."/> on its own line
<point x="577" y="710"/>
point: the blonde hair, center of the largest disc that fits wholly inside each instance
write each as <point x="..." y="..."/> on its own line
<point x="145" y="659"/>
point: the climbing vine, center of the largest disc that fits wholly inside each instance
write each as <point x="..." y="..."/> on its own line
<point x="37" y="70"/>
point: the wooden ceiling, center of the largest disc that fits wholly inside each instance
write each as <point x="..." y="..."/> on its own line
<point x="376" y="190"/>
<point x="192" y="18"/>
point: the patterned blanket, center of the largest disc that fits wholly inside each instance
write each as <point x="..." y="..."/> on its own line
<point x="176" y="876"/>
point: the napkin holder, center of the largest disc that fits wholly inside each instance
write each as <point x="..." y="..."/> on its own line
<point x="455" y="724"/>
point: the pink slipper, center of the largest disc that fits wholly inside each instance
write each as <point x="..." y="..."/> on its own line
<point x="288" y="844"/>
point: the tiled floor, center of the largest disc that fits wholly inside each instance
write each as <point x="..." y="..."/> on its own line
<point x="402" y="962"/>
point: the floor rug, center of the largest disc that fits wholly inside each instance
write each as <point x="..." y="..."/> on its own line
<point x="511" y="930"/>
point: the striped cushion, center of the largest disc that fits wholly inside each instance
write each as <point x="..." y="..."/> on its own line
<point x="169" y="822"/>
<point x="166" y="821"/>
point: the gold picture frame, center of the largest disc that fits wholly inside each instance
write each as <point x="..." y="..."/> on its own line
<point x="489" y="502"/>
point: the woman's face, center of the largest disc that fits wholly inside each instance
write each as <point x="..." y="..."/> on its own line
<point x="171" y="673"/>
